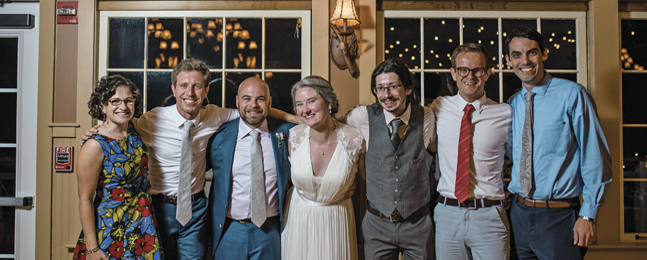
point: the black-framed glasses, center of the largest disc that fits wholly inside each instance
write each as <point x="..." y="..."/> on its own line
<point x="117" y="102"/>
<point x="464" y="71"/>
<point x="392" y="87"/>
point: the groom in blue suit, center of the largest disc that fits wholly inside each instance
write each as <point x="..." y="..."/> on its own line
<point x="230" y="203"/>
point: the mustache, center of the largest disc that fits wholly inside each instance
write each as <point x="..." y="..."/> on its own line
<point x="389" y="99"/>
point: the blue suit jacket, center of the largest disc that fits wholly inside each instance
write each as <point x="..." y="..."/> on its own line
<point x="221" y="150"/>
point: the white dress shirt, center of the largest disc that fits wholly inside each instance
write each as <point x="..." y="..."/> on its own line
<point x="241" y="183"/>
<point x="161" y="130"/>
<point x="358" y="118"/>
<point x="491" y="123"/>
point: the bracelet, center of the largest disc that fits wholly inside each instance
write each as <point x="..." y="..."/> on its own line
<point x="92" y="251"/>
<point x="588" y="219"/>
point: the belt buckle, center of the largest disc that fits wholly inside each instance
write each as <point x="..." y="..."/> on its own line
<point x="393" y="217"/>
<point x="475" y="206"/>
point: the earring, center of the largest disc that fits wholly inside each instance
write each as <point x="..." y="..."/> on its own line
<point x="330" y="109"/>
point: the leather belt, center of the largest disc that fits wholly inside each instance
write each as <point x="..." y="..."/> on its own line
<point x="395" y="216"/>
<point x="469" y="203"/>
<point x="559" y="204"/>
<point x="173" y="199"/>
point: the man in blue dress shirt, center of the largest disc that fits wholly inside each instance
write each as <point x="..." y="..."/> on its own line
<point x="559" y="152"/>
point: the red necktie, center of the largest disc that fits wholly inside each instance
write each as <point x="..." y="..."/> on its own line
<point x="462" y="189"/>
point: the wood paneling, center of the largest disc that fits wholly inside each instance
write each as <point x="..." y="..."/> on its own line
<point x="632" y="7"/>
<point x="485" y="6"/>
<point x="65" y="73"/>
<point x="203" y="5"/>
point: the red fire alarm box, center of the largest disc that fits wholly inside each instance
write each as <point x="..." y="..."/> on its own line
<point x="63" y="158"/>
<point x="66" y="12"/>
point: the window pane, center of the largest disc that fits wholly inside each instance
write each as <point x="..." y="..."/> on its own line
<point x="9" y="62"/>
<point x="204" y="40"/>
<point x="634" y="47"/>
<point x="126" y="43"/>
<point x="235" y="78"/>
<point x="483" y="31"/>
<point x="165" y="42"/>
<point x="634" y="151"/>
<point x="438" y="84"/>
<point x="215" y="89"/>
<point x="415" y="94"/>
<point x="559" y="39"/>
<point x="402" y="40"/>
<point x="244" y="43"/>
<point x="511" y="84"/>
<point x="283" y="43"/>
<point x="636" y="206"/>
<point x="438" y="47"/>
<point x="7" y="189"/>
<point x="280" y="88"/>
<point x="158" y="87"/>
<point x="8" y="117"/>
<point x="492" y="87"/>
<point x="633" y="101"/>
<point x="568" y="76"/>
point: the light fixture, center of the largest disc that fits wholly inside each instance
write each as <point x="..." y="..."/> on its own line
<point x="344" y="47"/>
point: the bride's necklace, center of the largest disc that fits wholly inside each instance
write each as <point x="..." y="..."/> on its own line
<point x="324" y="148"/>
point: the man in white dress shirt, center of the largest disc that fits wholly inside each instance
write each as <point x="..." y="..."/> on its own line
<point x="471" y="221"/>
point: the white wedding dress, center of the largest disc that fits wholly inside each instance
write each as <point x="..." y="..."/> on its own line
<point x="320" y="223"/>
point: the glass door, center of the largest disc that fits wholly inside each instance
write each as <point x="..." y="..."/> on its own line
<point x="18" y="103"/>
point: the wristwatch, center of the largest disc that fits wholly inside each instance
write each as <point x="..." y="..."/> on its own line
<point x="592" y="220"/>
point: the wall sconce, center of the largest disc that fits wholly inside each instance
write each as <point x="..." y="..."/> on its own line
<point x="343" y="45"/>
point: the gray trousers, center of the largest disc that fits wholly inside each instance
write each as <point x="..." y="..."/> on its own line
<point x="383" y="239"/>
<point x="462" y="233"/>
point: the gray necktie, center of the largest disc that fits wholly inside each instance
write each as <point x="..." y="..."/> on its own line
<point x="259" y="213"/>
<point x="526" y="169"/>
<point x="183" y="212"/>
<point x="395" y="127"/>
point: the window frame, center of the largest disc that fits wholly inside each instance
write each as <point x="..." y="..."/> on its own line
<point x="306" y="39"/>
<point x="624" y="236"/>
<point x="581" y="69"/>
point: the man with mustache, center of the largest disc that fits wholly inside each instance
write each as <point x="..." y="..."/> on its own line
<point x="240" y="229"/>
<point x="399" y="180"/>
<point x="471" y="221"/>
<point x="559" y="152"/>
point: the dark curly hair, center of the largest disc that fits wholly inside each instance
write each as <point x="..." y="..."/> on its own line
<point x="527" y="33"/>
<point x="323" y="88"/>
<point x="398" y="67"/>
<point x="106" y="89"/>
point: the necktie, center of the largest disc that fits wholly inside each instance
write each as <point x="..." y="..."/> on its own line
<point x="395" y="127"/>
<point x="525" y="174"/>
<point x="258" y="181"/>
<point x="462" y="189"/>
<point x="183" y="211"/>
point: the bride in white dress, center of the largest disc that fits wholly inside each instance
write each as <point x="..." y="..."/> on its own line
<point x="324" y="154"/>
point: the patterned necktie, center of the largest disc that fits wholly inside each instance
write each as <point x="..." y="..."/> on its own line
<point x="526" y="168"/>
<point x="462" y="189"/>
<point x="259" y="212"/>
<point x="183" y="211"/>
<point x="395" y="127"/>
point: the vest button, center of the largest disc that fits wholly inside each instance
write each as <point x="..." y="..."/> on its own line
<point x="396" y="202"/>
<point x="397" y="157"/>
<point x="397" y="167"/>
<point x="396" y="190"/>
<point x="396" y="180"/>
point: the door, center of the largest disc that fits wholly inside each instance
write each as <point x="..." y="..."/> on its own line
<point x="18" y="106"/>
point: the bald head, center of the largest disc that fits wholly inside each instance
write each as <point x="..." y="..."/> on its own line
<point x="253" y="101"/>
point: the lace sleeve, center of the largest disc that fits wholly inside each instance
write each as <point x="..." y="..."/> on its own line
<point x="298" y="135"/>
<point x="352" y="140"/>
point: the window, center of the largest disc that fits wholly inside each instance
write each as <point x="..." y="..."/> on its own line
<point x="425" y="40"/>
<point x="145" y="46"/>
<point x="633" y="55"/>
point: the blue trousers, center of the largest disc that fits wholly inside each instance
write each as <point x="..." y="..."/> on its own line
<point x="182" y="242"/>
<point x="242" y="241"/>
<point x="543" y="233"/>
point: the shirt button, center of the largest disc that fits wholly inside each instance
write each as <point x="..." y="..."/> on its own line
<point x="397" y="167"/>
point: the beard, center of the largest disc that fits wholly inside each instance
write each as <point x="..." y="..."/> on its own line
<point x="253" y="120"/>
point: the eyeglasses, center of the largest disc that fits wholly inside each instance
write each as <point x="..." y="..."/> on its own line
<point x="392" y="87"/>
<point x="117" y="102"/>
<point x="464" y="71"/>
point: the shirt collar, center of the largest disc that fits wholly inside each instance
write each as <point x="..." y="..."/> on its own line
<point x="179" y="119"/>
<point x="405" y="116"/>
<point x="461" y="103"/>
<point x="541" y="87"/>
<point x="244" y="129"/>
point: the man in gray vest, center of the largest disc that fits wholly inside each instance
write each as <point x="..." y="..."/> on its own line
<point x="399" y="180"/>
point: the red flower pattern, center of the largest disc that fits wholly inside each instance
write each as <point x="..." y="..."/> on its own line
<point x="118" y="194"/>
<point x="116" y="249"/>
<point x="79" y="252"/>
<point x="143" y="207"/>
<point x="144" y="244"/>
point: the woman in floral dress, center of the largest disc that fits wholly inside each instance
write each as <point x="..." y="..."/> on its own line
<point x="112" y="174"/>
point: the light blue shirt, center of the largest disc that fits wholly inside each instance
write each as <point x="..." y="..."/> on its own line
<point x="570" y="153"/>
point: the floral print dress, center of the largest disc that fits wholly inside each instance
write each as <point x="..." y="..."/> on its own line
<point x="126" y="225"/>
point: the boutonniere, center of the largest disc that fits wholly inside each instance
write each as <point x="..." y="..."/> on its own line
<point x="281" y="137"/>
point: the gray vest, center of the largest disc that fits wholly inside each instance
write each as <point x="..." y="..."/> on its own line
<point x="397" y="178"/>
